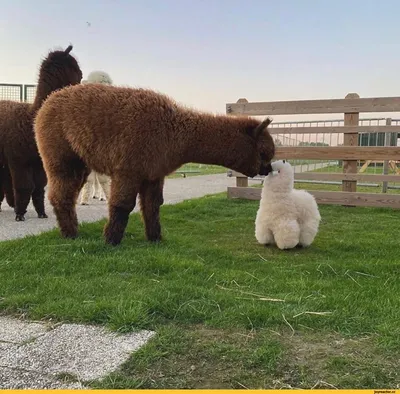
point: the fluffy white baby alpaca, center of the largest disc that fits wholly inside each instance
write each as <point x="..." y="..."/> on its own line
<point x="286" y="217"/>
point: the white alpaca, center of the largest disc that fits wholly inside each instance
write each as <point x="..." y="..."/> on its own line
<point x="286" y="217"/>
<point x="98" y="184"/>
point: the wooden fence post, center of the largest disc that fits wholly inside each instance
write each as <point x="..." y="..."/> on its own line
<point x="242" y="181"/>
<point x="350" y="139"/>
<point x="388" y="137"/>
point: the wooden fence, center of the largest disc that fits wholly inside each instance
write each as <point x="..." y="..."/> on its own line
<point x="350" y="152"/>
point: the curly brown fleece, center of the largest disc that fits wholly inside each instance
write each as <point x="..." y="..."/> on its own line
<point x="19" y="156"/>
<point x="137" y="137"/>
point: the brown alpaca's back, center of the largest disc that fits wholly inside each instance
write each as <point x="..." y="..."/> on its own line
<point x="112" y="128"/>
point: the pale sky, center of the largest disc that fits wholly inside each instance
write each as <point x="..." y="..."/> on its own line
<point x="205" y="53"/>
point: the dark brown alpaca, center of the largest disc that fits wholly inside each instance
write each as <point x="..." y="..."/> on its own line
<point x="19" y="157"/>
<point x="136" y="137"/>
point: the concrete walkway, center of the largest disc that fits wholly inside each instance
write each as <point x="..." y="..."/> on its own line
<point x="36" y="355"/>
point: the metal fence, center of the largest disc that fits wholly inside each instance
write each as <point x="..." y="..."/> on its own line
<point x="17" y="92"/>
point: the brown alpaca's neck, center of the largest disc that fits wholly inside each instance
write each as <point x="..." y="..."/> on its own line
<point x="42" y="92"/>
<point x="218" y="140"/>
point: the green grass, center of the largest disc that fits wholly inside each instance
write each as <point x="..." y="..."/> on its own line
<point x="207" y="290"/>
<point x="194" y="169"/>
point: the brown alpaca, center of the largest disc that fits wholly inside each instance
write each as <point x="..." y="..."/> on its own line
<point x="137" y="137"/>
<point x="19" y="156"/>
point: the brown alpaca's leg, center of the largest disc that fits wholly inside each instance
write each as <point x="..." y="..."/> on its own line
<point x="121" y="203"/>
<point x="8" y="187"/>
<point x="23" y="186"/>
<point x="151" y="198"/>
<point x="40" y="180"/>
<point x="1" y="185"/>
<point x="65" y="182"/>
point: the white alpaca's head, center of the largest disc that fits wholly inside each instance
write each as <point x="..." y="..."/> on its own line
<point x="98" y="77"/>
<point x="281" y="179"/>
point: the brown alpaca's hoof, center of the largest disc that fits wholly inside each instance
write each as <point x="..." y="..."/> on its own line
<point x="113" y="238"/>
<point x="69" y="235"/>
<point x="42" y="216"/>
<point x="156" y="238"/>
<point x="113" y="241"/>
<point x="20" y="218"/>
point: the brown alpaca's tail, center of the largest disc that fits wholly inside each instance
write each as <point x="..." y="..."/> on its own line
<point x="69" y="49"/>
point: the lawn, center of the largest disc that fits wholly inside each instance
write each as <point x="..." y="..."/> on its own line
<point x="194" y="169"/>
<point x="229" y="313"/>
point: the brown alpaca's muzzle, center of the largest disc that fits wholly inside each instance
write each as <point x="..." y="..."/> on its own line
<point x="265" y="169"/>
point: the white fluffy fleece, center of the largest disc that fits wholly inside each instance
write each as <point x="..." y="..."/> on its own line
<point x="98" y="77"/>
<point x="286" y="217"/>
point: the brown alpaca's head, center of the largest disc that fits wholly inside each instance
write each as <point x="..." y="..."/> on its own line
<point x="264" y="150"/>
<point x="58" y="70"/>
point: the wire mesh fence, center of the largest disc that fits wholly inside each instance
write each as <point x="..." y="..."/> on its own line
<point x="17" y="92"/>
<point x="11" y="91"/>
<point x="336" y="139"/>
<point x="29" y="93"/>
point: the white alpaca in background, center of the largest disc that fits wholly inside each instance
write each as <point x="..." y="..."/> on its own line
<point x="98" y="184"/>
<point x="286" y="217"/>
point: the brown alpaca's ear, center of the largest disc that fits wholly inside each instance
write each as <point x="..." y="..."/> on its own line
<point x="261" y="128"/>
<point x="68" y="50"/>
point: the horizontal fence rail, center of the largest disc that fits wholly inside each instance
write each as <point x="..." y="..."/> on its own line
<point x="306" y="107"/>
<point x="352" y="152"/>
<point x="338" y="152"/>
<point x="335" y="130"/>
<point x="328" y="197"/>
